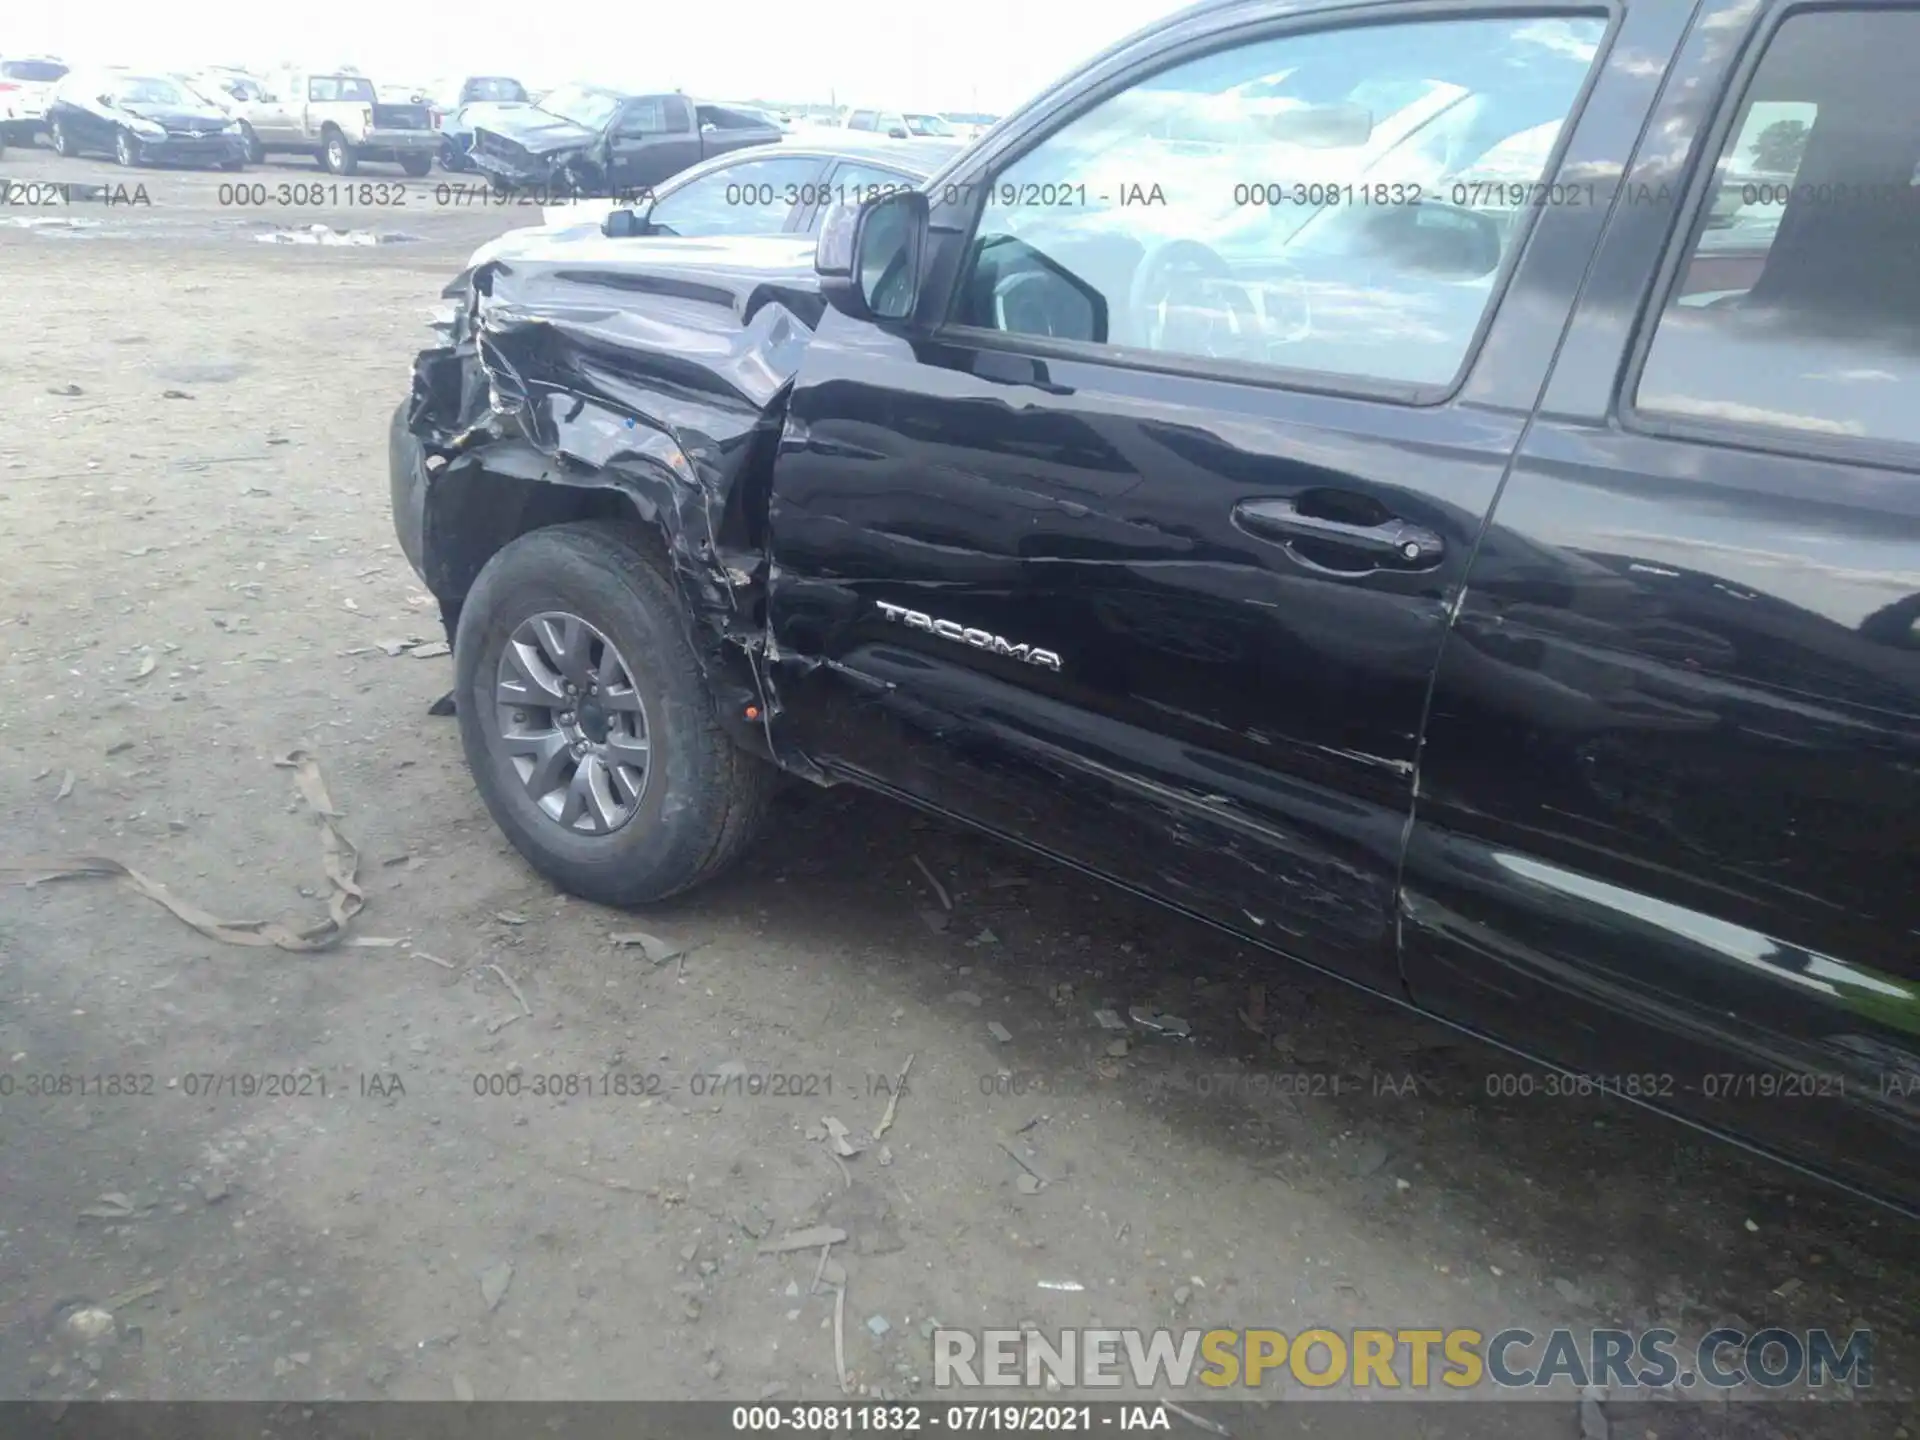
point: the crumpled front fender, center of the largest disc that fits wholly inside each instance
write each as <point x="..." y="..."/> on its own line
<point x="583" y="391"/>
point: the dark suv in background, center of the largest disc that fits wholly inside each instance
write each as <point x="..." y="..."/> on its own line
<point x="1430" y="488"/>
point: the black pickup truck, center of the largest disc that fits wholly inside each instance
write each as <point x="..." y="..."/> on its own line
<point x="1362" y="475"/>
<point x="584" y="140"/>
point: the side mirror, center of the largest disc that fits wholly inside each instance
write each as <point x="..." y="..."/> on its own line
<point x="106" y="100"/>
<point x="896" y="133"/>
<point x="868" y="256"/>
<point x="626" y="224"/>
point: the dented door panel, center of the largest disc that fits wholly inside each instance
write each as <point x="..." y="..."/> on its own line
<point x="1234" y="726"/>
<point x="1028" y="604"/>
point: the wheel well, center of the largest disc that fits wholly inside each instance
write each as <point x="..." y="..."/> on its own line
<point x="329" y="127"/>
<point x="477" y="513"/>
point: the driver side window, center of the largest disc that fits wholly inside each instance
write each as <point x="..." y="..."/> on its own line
<point x="1331" y="201"/>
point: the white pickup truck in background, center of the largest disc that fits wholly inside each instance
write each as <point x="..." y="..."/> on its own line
<point x="25" y="84"/>
<point x="340" y="120"/>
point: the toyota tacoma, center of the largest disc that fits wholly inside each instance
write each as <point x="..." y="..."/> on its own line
<point x="1346" y="472"/>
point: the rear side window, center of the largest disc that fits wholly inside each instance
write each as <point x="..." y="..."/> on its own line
<point x="494" y="89"/>
<point x="644" y="117"/>
<point x="1796" y="306"/>
<point x="38" y="72"/>
<point x="340" y="87"/>
<point x="721" y="117"/>
<point x="861" y="120"/>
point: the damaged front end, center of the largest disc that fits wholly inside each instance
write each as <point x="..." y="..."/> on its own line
<point x="511" y="165"/>
<point x="641" y="384"/>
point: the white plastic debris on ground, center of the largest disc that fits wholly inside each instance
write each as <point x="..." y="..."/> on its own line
<point x="49" y="222"/>
<point x="318" y="235"/>
<point x="327" y="235"/>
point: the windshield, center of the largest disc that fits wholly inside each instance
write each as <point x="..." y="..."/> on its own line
<point x="493" y="89"/>
<point x="146" y="90"/>
<point x="927" y="125"/>
<point x="38" y="71"/>
<point x="340" y="87"/>
<point x="588" y="108"/>
<point x="198" y="90"/>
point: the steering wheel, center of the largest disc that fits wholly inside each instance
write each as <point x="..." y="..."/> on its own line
<point x="1185" y="298"/>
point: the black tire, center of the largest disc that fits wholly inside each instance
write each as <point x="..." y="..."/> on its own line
<point x="704" y="797"/>
<point x="126" y="149"/>
<point x="336" y="155"/>
<point x="62" y="142"/>
<point x="416" y="165"/>
<point x="452" y="161"/>
<point x="255" y="152"/>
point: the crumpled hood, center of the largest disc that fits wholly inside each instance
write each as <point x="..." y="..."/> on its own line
<point x="536" y="131"/>
<point x="586" y="313"/>
<point x="654" y="368"/>
<point x="482" y="112"/>
<point x="537" y="264"/>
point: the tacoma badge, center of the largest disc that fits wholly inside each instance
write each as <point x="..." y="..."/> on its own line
<point x="979" y="639"/>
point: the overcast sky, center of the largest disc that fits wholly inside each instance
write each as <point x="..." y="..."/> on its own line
<point x="972" y="54"/>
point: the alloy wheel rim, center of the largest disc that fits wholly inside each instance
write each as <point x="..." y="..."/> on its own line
<point x="571" y="726"/>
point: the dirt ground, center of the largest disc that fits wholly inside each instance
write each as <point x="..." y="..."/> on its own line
<point x="199" y="576"/>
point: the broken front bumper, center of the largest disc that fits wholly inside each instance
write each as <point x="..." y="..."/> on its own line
<point x="407" y="478"/>
<point x="216" y="149"/>
<point x="512" y="167"/>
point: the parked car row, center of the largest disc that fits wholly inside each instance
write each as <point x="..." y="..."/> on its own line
<point x="140" y="119"/>
<point x="579" y="138"/>
<point x="225" y="116"/>
<point x="25" y="82"/>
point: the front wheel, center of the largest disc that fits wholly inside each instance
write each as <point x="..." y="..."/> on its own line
<point x="416" y="165"/>
<point x="588" y="724"/>
<point x="62" y="142"/>
<point x="255" y="151"/>
<point x="337" y="155"/>
<point x="126" y="149"/>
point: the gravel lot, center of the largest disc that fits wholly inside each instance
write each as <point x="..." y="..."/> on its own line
<point x="200" y="577"/>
